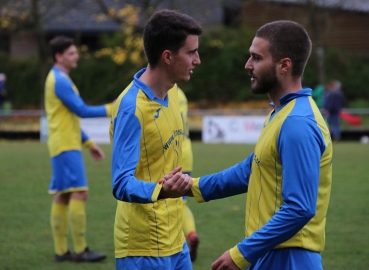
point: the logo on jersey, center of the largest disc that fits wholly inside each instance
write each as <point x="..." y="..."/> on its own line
<point x="176" y="133"/>
<point x="157" y="113"/>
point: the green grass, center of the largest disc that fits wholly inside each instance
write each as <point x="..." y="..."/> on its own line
<point x="25" y="239"/>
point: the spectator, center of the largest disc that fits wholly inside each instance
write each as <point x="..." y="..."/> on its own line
<point x="333" y="104"/>
<point x="2" y="90"/>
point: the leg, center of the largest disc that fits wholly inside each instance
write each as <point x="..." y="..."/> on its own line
<point x="59" y="226"/>
<point x="77" y="218"/>
<point x="189" y="230"/>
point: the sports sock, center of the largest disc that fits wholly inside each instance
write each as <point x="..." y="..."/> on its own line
<point x="59" y="227"/>
<point x="77" y="217"/>
<point x="188" y="220"/>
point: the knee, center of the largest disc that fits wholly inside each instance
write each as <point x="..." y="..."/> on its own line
<point x="80" y="195"/>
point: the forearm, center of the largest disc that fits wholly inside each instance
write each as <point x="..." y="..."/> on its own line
<point x="229" y="182"/>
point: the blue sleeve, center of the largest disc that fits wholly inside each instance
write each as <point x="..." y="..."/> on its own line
<point x="300" y="150"/>
<point x="84" y="136"/>
<point x="64" y="91"/>
<point x="126" y="154"/>
<point x="229" y="182"/>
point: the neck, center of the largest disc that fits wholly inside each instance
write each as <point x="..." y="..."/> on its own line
<point x="158" y="82"/>
<point x="62" y="67"/>
<point x="285" y="87"/>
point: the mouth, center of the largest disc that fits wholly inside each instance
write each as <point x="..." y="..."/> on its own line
<point x="191" y="71"/>
<point x="253" y="78"/>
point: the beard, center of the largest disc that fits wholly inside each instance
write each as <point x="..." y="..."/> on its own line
<point x="265" y="83"/>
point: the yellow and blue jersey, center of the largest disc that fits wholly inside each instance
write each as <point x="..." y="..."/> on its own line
<point x="146" y="135"/>
<point x="187" y="155"/>
<point x="64" y="107"/>
<point x="288" y="181"/>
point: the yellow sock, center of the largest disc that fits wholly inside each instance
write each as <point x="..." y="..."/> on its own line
<point x="77" y="217"/>
<point x="188" y="219"/>
<point x="59" y="227"/>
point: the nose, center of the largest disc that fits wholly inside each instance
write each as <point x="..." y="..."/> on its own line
<point x="197" y="60"/>
<point x="248" y="64"/>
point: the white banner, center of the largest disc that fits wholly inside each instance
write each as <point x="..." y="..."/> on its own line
<point x="232" y="129"/>
<point x="96" y="128"/>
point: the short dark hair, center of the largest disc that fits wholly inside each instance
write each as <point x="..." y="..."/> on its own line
<point x="59" y="44"/>
<point x="167" y="30"/>
<point x="287" y="39"/>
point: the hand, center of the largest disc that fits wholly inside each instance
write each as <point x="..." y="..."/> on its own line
<point x="96" y="152"/>
<point x="176" y="186"/>
<point x="170" y="175"/>
<point x="224" y="262"/>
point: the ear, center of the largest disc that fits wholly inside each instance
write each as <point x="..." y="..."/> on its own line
<point x="58" y="57"/>
<point x="167" y="57"/>
<point x="284" y="65"/>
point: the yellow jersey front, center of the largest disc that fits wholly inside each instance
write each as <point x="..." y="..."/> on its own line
<point x="146" y="136"/>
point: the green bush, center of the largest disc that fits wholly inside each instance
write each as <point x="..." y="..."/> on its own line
<point x="23" y="86"/>
<point x="221" y="77"/>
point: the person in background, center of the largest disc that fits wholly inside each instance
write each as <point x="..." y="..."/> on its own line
<point x="64" y="107"/>
<point x="333" y="104"/>
<point x="318" y="95"/>
<point x="146" y="134"/>
<point x="189" y="226"/>
<point x="3" y="96"/>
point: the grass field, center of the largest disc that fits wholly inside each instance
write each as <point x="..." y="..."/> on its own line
<point x="25" y="239"/>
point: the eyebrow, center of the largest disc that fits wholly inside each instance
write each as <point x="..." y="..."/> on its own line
<point x="255" y="54"/>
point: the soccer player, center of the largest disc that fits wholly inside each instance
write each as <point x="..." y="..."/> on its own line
<point x="189" y="226"/>
<point x="288" y="176"/>
<point x="64" y="107"/>
<point x="146" y="135"/>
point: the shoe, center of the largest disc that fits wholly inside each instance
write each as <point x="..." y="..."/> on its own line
<point x="62" y="258"/>
<point x="193" y="243"/>
<point x="89" y="256"/>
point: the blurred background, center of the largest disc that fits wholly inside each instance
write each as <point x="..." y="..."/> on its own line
<point x="108" y="35"/>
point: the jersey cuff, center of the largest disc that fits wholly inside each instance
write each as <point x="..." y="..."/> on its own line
<point x="88" y="143"/>
<point x="238" y="258"/>
<point x="109" y="108"/>
<point x="196" y="190"/>
<point x="155" y="194"/>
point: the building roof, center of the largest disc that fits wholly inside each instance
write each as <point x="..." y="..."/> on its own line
<point x="88" y="15"/>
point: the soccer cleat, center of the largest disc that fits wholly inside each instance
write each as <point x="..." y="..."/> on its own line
<point x="62" y="258"/>
<point x="89" y="256"/>
<point x="193" y="243"/>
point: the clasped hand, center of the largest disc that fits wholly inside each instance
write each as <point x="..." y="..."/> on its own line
<point x="176" y="184"/>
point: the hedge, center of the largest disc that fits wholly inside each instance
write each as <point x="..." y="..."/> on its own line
<point x="221" y="77"/>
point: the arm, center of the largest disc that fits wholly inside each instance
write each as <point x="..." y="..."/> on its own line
<point x="125" y="157"/>
<point x="96" y="152"/>
<point x="300" y="150"/>
<point x="229" y="182"/>
<point x="64" y="91"/>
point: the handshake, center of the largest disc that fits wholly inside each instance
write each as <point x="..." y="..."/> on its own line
<point x="176" y="184"/>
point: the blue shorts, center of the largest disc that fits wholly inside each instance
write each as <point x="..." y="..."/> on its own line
<point x="68" y="172"/>
<point x="178" y="261"/>
<point x="289" y="259"/>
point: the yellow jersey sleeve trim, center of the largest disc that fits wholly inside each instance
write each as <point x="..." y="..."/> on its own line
<point x="109" y="109"/>
<point x="88" y="143"/>
<point x="196" y="190"/>
<point x="155" y="194"/>
<point x="238" y="258"/>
